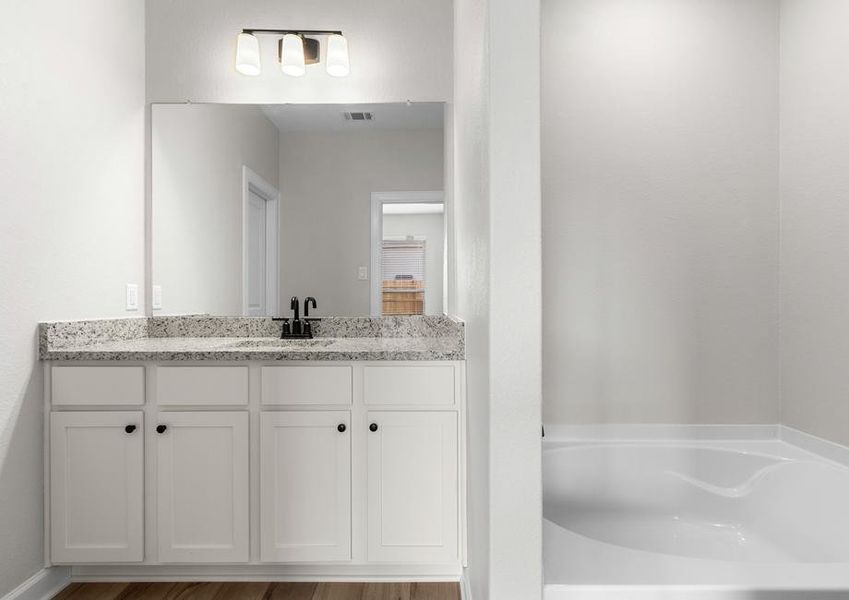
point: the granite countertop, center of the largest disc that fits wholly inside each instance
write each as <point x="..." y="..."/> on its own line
<point x="199" y="338"/>
<point x="215" y="348"/>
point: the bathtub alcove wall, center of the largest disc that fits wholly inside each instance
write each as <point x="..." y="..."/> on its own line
<point x="660" y="211"/>
<point x="694" y="212"/>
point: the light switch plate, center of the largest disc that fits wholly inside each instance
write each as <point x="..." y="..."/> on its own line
<point x="362" y="273"/>
<point x="132" y="296"/>
<point x="156" y="301"/>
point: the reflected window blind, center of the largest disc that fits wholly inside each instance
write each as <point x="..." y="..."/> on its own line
<point x="403" y="260"/>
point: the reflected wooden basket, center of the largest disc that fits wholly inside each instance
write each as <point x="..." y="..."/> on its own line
<point x="403" y="297"/>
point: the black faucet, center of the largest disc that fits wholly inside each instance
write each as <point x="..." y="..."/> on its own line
<point x="296" y="328"/>
<point x="294" y="304"/>
<point x="307" y="301"/>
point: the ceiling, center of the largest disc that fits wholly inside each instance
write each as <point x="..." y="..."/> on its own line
<point x="330" y="117"/>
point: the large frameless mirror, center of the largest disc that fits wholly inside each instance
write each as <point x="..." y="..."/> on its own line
<point x="254" y="204"/>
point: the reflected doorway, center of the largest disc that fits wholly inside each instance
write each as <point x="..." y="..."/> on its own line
<point x="408" y="253"/>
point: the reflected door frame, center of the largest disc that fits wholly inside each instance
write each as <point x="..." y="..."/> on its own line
<point x="251" y="182"/>
<point x="378" y="199"/>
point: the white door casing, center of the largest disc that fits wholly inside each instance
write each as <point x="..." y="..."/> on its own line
<point x="257" y="256"/>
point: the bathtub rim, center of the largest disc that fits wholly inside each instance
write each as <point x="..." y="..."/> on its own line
<point x="820" y="448"/>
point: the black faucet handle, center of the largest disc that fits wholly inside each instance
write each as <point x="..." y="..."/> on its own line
<point x="285" y="329"/>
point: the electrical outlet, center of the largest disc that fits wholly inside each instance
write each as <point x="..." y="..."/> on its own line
<point x="132" y="296"/>
<point x="156" y="301"/>
<point x="362" y="273"/>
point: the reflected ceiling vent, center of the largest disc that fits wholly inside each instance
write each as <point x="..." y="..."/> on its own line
<point x="359" y="116"/>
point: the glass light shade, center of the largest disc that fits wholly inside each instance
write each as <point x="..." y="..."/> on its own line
<point x="292" y="60"/>
<point x="337" y="56"/>
<point x="247" y="55"/>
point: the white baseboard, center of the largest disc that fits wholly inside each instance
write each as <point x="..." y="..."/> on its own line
<point x="268" y="572"/>
<point x="42" y="586"/>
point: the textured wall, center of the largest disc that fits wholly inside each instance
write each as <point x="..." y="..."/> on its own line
<point x="71" y="215"/>
<point x="471" y="298"/>
<point x="660" y="211"/>
<point x="497" y="228"/>
<point x="815" y="217"/>
<point x="516" y="300"/>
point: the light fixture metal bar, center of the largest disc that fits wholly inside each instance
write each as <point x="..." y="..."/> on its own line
<point x="295" y="31"/>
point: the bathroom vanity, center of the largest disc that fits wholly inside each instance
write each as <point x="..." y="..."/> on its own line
<point x="208" y="447"/>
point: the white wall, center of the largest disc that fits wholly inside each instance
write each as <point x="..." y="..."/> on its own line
<point x="496" y="219"/>
<point x="431" y="227"/>
<point x="399" y="51"/>
<point x="326" y="182"/>
<point x="71" y="215"/>
<point x="197" y="155"/>
<point x="815" y="216"/>
<point x="516" y="300"/>
<point x="660" y="228"/>
<point x="471" y="297"/>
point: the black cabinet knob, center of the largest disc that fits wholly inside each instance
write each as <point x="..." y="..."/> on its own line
<point x="372" y="427"/>
<point x="161" y="428"/>
<point x="341" y="428"/>
<point x="130" y="428"/>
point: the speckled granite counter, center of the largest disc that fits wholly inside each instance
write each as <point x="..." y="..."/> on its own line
<point x="197" y="338"/>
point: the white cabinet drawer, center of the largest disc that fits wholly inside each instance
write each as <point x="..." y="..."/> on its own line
<point x="409" y="385"/>
<point x="306" y="385"/>
<point x="92" y="386"/>
<point x="195" y="386"/>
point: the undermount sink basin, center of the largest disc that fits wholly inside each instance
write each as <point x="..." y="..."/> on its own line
<point x="280" y="343"/>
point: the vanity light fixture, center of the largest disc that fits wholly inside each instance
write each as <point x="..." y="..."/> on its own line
<point x="295" y="50"/>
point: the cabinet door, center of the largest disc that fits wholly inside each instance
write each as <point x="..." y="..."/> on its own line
<point x="413" y="491"/>
<point x="202" y="486"/>
<point x="305" y="486"/>
<point x="96" y="487"/>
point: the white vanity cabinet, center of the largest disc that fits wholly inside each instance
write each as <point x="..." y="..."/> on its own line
<point x="320" y="469"/>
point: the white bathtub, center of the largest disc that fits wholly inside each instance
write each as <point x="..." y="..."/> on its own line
<point x="693" y="519"/>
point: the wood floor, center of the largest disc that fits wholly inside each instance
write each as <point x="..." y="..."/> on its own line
<point x="260" y="591"/>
